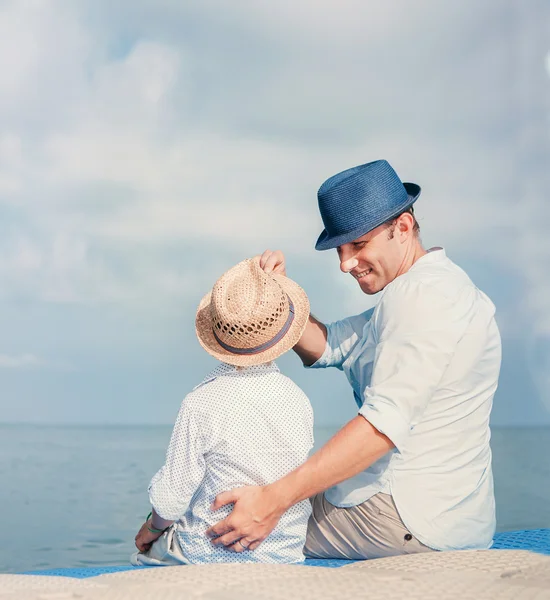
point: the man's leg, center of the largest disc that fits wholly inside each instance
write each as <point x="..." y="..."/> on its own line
<point x="373" y="529"/>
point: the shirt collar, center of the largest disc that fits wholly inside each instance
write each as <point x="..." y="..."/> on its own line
<point x="435" y="254"/>
<point x="226" y="369"/>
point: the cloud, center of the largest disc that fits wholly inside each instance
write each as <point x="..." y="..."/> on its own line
<point x="32" y="361"/>
<point x="19" y="362"/>
<point x="147" y="146"/>
<point x="131" y="147"/>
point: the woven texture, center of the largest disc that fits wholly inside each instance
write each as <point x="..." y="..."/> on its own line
<point x="505" y="563"/>
<point x="482" y="575"/>
<point x="85" y="572"/>
<point x="251" y="317"/>
<point x="360" y="199"/>
<point x="536" y="540"/>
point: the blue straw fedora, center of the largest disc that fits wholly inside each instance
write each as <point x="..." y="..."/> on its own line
<point x="360" y="199"/>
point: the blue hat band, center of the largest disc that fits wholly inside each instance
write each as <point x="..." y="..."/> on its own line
<point x="265" y="346"/>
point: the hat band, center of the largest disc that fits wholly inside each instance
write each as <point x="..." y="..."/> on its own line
<point x="266" y="345"/>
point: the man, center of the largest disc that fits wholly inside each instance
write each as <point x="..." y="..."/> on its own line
<point x="411" y="472"/>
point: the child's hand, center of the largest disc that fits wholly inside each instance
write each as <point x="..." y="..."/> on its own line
<point x="145" y="537"/>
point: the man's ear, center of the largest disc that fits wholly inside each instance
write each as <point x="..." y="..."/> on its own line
<point x="405" y="226"/>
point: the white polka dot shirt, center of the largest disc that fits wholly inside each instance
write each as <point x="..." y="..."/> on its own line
<point x="239" y="427"/>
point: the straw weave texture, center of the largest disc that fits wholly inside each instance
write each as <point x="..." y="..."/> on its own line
<point x="483" y="575"/>
<point x="249" y="309"/>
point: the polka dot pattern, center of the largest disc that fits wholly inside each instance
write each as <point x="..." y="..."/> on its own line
<point x="240" y="426"/>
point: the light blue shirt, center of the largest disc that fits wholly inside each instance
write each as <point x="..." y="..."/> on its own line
<point x="424" y="367"/>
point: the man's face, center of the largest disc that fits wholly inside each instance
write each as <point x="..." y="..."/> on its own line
<point x="376" y="258"/>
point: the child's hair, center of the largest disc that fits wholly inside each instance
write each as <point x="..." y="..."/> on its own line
<point x="239" y="368"/>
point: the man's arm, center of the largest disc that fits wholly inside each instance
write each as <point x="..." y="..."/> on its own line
<point x="258" y="509"/>
<point x="341" y="335"/>
<point x="312" y="344"/>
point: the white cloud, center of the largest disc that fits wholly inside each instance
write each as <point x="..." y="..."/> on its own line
<point x="147" y="145"/>
<point x="218" y="144"/>
<point x="19" y="362"/>
<point x="32" y="361"/>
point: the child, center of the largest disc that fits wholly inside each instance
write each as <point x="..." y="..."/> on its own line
<point x="245" y="424"/>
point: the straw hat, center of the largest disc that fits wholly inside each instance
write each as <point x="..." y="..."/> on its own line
<point x="251" y="317"/>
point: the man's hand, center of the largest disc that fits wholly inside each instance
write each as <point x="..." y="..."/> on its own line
<point x="258" y="509"/>
<point x="145" y="538"/>
<point x="256" y="512"/>
<point x="312" y="344"/>
<point x="273" y="262"/>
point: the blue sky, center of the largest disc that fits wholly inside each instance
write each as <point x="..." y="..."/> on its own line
<point x="146" y="147"/>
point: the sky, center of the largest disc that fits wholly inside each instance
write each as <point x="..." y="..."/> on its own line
<point x="147" y="146"/>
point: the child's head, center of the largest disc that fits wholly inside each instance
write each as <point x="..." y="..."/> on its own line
<point x="251" y="317"/>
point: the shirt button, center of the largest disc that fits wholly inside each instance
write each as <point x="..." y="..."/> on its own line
<point x="408" y="537"/>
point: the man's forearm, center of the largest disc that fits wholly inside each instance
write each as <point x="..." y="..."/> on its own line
<point x="353" y="449"/>
<point x="312" y="344"/>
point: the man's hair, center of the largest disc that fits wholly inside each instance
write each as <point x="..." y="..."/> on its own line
<point x="390" y="224"/>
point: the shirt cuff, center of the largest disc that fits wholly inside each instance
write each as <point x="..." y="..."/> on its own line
<point x="167" y="504"/>
<point x="388" y="422"/>
<point x="323" y="361"/>
<point x="332" y="356"/>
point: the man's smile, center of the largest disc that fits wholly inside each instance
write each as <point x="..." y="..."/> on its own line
<point x="362" y="274"/>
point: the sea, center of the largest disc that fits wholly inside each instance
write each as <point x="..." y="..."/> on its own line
<point x="75" y="496"/>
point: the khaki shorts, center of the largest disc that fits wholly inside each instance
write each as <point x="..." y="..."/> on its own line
<point x="373" y="529"/>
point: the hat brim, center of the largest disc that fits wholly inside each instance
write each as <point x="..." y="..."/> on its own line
<point x="325" y="242"/>
<point x="203" y="328"/>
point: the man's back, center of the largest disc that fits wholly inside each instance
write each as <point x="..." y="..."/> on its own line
<point x="239" y="427"/>
<point x="444" y="468"/>
<point x="424" y="366"/>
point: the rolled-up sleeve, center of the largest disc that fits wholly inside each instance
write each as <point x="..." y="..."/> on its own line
<point x="173" y="486"/>
<point x="342" y="336"/>
<point x="418" y="330"/>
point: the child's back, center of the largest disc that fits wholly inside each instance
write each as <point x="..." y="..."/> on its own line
<point x="240" y="426"/>
<point x="245" y="424"/>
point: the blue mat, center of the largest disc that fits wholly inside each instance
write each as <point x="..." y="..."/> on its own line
<point x="535" y="540"/>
